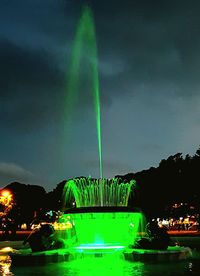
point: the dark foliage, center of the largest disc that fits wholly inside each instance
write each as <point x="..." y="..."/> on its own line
<point x="176" y="179"/>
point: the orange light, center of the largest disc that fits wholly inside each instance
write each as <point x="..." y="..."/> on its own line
<point x="6" y="193"/>
<point x="6" y="198"/>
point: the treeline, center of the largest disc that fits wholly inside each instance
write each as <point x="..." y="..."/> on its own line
<point x="175" y="180"/>
<point x="30" y="202"/>
<point x="26" y="202"/>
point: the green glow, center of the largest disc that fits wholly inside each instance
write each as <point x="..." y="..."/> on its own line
<point x="85" y="34"/>
<point x="101" y="230"/>
<point x="99" y="246"/>
<point x="108" y="265"/>
<point x="97" y="192"/>
<point x="105" y="229"/>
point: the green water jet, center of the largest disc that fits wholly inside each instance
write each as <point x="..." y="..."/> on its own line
<point x="85" y="192"/>
<point x="85" y="33"/>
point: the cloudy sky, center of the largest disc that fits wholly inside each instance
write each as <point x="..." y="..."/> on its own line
<point x="149" y="71"/>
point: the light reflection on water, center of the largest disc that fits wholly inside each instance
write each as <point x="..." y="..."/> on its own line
<point x="107" y="265"/>
<point x="5" y="263"/>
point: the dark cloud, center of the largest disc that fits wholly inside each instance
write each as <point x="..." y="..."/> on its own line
<point x="30" y="85"/>
<point x="24" y="69"/>
<point x="155" y="44"/>
<point x="158" y="42"/>
<point x="14" y="172"/>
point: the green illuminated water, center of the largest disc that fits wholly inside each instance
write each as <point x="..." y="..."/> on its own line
<point x="102" y="232"/>
<point x="85" y="192"/>
<point x="85" y="34"/>
<point x="109" y="264"/>
<point x="109" y="226"/>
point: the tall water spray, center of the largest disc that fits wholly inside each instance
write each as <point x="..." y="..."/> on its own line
<point x="91" y="192"/>
<point x="85" y="35"/>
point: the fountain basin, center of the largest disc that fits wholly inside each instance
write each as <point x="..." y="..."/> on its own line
<point x="105" y="227"/>
<point x="24" y="257"/>
<point x="173" y="253"/>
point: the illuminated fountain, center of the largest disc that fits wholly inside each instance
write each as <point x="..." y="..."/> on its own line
<point x="101" y="217"/>
<point x="89" y="192"/>
<point x="100" y="221"/>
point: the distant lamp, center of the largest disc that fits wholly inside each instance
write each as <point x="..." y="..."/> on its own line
<point x="6" y="197"/>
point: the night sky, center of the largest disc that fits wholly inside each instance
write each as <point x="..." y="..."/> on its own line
<point x="149" y="70"/>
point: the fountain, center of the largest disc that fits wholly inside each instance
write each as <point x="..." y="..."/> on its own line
<point x="101" y="218"/>
<point x="101" y="221"/>
<point x="112" y="225"/>
<point x="87" y="193"/>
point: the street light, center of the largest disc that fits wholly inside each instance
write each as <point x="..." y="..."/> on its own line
<point x="6" y="198"/>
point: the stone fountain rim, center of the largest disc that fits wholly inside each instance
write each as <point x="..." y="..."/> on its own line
<point x="103" y="209"/>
